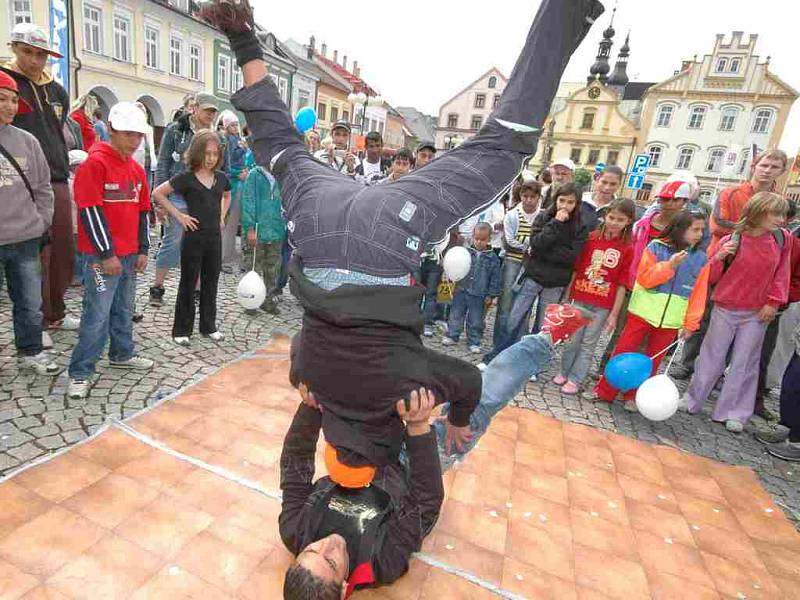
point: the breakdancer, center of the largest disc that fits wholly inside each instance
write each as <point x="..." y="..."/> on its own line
<point x="359" y="349"/>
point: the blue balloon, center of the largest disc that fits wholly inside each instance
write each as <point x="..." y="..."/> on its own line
<point x="629" y="370"/>
<point x="305" y="119"/>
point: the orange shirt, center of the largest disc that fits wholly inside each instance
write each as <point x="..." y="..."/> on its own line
<point x="727" y="212"/>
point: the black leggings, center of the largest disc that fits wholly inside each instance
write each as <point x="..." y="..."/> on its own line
<point x="201" y="255"/>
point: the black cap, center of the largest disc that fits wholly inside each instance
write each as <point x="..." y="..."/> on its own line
<point x="341" y="124"/>
<point x="428" y="145"/>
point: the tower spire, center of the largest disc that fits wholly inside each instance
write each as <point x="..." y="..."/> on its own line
<point x="601" y="66"/>
<point x="620" y="75"/>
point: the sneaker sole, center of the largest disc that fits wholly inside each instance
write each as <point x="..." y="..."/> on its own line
<point x="786" y="458"/>
<point x="130" y="367"/>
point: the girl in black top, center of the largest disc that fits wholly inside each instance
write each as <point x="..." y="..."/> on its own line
<point x="207" y="194"/>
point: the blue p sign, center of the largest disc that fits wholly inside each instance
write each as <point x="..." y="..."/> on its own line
<point x="641" y="162"/>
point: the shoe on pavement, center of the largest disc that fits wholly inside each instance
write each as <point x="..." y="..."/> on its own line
<point x="683" y="404"/>
<point x="763" y="412"/>
<point x="47" y="341"/>
<point x="442" y="325"/>
<point x="570" y="388"/>
<point x="250" y="312"/>
<point x="734" y="426"/>
<point x="270" y="309"/>
<point x="156" y="295"/>
<point x="475" y="349"/>
<point x="533" y="378"/>
<point x="68" y="323"/>
<point x="428" y="331"/>
<point x="181" y="340"/>
<point x="217" y="336"/>
<point x="138" y="317"/>
<point x="136" y="363"/>
<point x="482" y="366"/>
<point x="591" y="395"/>
<point x="772" y="436"/>
<point x="630" y="406"/>
<point x="786" y="451"/>
<point x="446" y="341"/>
<point x="41" y="363"/>
<point x="680" y="372"/>
<point x="561" y="321"/>
<point x="559" y="379"/>
<point x="78" y="389"/>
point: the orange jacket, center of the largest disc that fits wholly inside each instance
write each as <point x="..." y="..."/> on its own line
<point x="727" y="212"/>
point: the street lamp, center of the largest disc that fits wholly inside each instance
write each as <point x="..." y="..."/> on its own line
<point x="364" y="100"/>
<point x="452" y="141"/>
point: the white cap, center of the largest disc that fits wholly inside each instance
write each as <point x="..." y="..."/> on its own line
<point x="229" y="118"/>
<point x="126" y="116"/>
<point x="76" y="157"/>
<point x="564" y="162"/>
<point x="33" y="35"/>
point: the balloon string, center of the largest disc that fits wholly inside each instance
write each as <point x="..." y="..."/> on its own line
<point x="255" y="248"/>
<point x="679" y="342"/>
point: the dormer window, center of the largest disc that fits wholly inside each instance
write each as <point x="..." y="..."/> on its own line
<point x="722" y="65"/>
<point x="735" y="64"/>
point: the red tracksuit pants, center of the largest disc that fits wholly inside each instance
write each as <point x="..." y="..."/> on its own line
<point x="637" y="332"/>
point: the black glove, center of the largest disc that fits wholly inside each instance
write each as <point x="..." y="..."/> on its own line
<point x="235" y="19"/>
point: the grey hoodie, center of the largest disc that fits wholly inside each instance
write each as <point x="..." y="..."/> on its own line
<point x="20" y="218"/>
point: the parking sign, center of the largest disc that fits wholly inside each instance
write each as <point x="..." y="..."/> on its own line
<point x="634" y="181"/>
<point x="641" y="162"/>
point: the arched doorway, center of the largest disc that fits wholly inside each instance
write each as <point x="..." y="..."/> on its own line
<point x="155" y="115"/>
<point x="106" y="99"/>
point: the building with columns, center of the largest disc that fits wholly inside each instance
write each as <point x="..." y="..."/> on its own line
<point x="709" y="115"/>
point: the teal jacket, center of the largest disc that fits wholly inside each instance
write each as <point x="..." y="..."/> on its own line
<point x="261" y="204"/>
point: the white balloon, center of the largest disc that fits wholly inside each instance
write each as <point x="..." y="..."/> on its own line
<point x="457" y="262"/>
<point x="251" y="291"/>
<point x="657" y="398"/>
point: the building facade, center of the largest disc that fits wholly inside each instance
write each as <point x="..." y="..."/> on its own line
<point x="421" y="127"/>
<point x="465" y="113"/>
<point x="710" y="114"/>
<point x="394" y="135"/>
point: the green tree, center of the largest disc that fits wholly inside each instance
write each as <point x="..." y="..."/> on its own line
<point x="583" y="177"/>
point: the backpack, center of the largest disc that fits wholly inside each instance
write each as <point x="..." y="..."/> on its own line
<point x="778" y="234"/>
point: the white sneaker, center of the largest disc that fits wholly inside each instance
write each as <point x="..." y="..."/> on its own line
<point x="734" y="426"/>
<point x="683" y="404"/>
<point x="442" y="325"/>
<point x="78" y="389"/>
<point x="428" y="331"/>
<point x="41" y="363"/>
<point x="217" y="336"/>
<point x="181" y="340"/>
<point x="137" y="363"/>
<point x="69" y="323"/>
<point x="475" y="349"/>
<point x="482" y="366"/>
<point x="534" y="378"/>
<point x="446" y="341"/>
<point x="47" y="341"/>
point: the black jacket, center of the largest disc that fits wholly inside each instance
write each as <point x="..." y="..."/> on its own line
<point x="43" y="110"/>
<point x="554" y="248"/>
<point x="415" y="496"/>
<point x="359" y="351"/>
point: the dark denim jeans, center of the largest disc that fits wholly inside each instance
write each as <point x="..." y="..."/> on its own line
<point x="469" y="308"/>
<point x="23" y="274"/>
<point x="107" y="312"/>
<point x="430" y="277"/>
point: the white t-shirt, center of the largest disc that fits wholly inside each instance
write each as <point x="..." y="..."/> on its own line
<point x="372" y="171"/>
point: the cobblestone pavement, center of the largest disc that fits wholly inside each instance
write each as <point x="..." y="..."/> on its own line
<point x="36" y="418"/>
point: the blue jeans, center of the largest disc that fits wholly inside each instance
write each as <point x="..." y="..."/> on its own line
<point x="107" y="312"/>
<point x="503" y="380"/>
<point x="23" y="271"/>
<point x="286" y="254"/>
<point x="430" y="277"/>
<point x="577" y="354"/>
<point x="469" y="308"/>
<point x="169" y="252"/>
<point x="511" y="269"/>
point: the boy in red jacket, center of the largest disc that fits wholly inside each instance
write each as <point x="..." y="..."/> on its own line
<point x="113" y="201"/>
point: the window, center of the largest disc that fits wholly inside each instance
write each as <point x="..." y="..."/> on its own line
<point x="346" y="116"/>
<point x="122" y="38"/>
<point x="283" y="86"/>
<point x="705" y="195"/>
<point x="612" y="158"/>
<point x="223" y="72"/>
<point x="92" y="29"/>
<point x="452" y="120"/>
<point x="744" y="162"/>
<point x="735" y="63"/>
<point x="480" y="100"/>
<point x="594" y="156"/>
<point x="175" y="55"/>
<point x="492" y="82"/>
<point x="303" y="98"/>
<point x="722" y="64"/>
<point x="237" y="79"/>
<point x="21" y="12"/>
<point x="655" y="152"/>
<point x="334" y="114"/>
<point x="373" y="125"/>
<point x="762" y="120"/>
<point x="697" y="115"/>
<point x="195" y="62"/>
<point x="728" y="120"/>
<point x="665" y="115"/>
<point x="588" y="119"/>
<point x="575" y="155"/>
<point x="715" y="159"/>
<point x="685" y="157"/>
<point x="322" y="111"/>
<point x="151" y="44"/>
<point x="496" y="100"/>
<point x="477" y="121"/>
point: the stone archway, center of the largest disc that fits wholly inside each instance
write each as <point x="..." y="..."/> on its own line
<point x="153" y="107"/>
<point x="106" y="99"/>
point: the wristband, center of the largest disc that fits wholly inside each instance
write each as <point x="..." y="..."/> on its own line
<point x="245" y="46"/>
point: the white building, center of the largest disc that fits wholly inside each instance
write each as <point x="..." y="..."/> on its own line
<point x="708" y="116"/>
<point x="465" y="113"/>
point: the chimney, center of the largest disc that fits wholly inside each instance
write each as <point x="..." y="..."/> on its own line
<point x="336" y="56"/>
<point x="324" y="50"/>
<point x="356" y="70"/>
<point x="344" y="62"/>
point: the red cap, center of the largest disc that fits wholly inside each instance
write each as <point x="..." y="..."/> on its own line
<point x="675" y="189"/>
<point x="7" y="82"/>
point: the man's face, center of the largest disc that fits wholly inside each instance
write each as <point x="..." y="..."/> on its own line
<point x="126" y="142"/>
<point x="424" y="156"/>
<point x="768" y="170"/>
<point x="480" y="239"/>
<point x="313" y="141"/>
<point x="327" y="558"/>
<point x="400" y="167"/>
<point x="8" y="106"/>
<point x="205" y="117"/>
<point x="30" y="60"/>
<point x="607" y="186"/>
<point x="340" y="137"/>
<point x="374" y="149"/>
<point x="561" y="174"/>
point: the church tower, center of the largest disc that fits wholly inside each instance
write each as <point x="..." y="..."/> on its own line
<point x="601" y="66"/>
<point x="619" y="78"/>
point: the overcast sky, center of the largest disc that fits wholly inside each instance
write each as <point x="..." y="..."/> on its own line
<point x="422" y="52"/>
